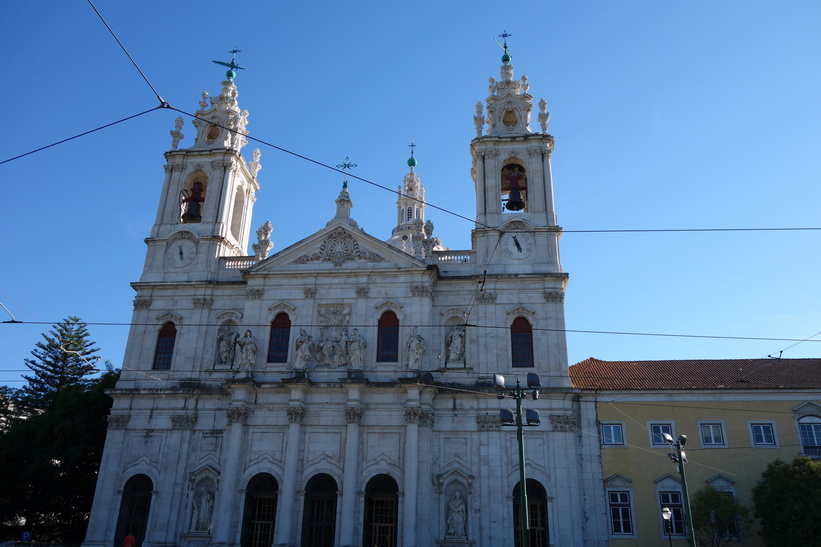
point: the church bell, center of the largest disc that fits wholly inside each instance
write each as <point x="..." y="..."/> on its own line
<point x="514" y="200"/>
<point x="192" y="212"/>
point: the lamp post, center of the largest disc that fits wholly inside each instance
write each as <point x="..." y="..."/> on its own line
<point x="668" y="526"/>
<point x="532" y="419"/>
<point x="680" y="458"/>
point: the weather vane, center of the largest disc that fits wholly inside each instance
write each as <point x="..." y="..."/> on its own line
<point x="232" y="66"/>
<point x="346" y="166"/>
<point x="504" y="36"/>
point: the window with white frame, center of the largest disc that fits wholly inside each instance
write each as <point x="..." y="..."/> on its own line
<point x="612" y="434"/>
<point x="672" y="501"/>
<point x="657" y="431"/>
<point x="621" y="518"/>
<point x="809" y="428"/>
<point x="762" y="434"/>
<point x="712" y="434"/>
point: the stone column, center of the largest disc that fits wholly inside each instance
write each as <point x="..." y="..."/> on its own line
<point x="223" y="527"/>
<point x="411" y="479"/>
<point x="288" y="494"/>
<point x="350" y="478"/>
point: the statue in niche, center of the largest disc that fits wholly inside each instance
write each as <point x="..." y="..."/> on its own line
<point x="339" y="349"/>
<point x="457" y="514"/>
<point x="416" y="349"/>
<point x="304" y="347"/>
<point x="226" y="345"/>
<point x="202" y="511"/>
<point x="455" y="346"/>
<point x="356" y="350"/>
<point x="247" y="351"/>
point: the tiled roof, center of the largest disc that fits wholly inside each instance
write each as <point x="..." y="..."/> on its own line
<point x="698" y="374"/>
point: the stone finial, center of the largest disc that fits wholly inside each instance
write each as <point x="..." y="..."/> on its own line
<point x="255" y="166"/>
<point x="176" y="133"/>
<point x="204" y="100"/>
<point x="544" y="115"/>
<point x="263" y="245"/>
<point x="479" y="119"/>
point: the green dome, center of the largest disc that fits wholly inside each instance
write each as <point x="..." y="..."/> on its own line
<point x="412" y="161"/>
<point x="231" y="74"/>
<point x="506" y="58"/>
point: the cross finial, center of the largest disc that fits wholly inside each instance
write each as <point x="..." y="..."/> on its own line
<point x="412" y="146"/>
<point x="504" y="36"/>
<point x="346" y="166"/>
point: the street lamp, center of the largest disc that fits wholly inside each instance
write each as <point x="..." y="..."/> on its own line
<point x="666" y="514"/>
<point x="531" y="419"/>
<point x="680" y="458"/>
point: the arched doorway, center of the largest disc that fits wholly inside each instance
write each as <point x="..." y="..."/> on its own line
<point x="537" y="509"/>
<point x="134" y="509"/>
<point x="319" y="514"/>
<point x="260" y="511"/>
<point x="381" y="512"/>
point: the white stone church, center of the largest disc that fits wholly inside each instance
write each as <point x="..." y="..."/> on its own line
<point x="340" y="392"/>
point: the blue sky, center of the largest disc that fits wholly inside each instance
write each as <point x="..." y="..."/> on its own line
<point x="693" y="115"/>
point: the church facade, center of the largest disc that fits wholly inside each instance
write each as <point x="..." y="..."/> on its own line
<point x="340" y="392"/>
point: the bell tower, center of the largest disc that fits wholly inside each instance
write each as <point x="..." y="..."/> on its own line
<point x="207" y="195"/>
<point x="511" y="170"/>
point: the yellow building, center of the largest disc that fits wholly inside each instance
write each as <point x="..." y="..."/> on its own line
<point x="737" y="415"/>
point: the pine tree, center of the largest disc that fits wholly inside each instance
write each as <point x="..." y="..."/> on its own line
<point x="64" y="358"/>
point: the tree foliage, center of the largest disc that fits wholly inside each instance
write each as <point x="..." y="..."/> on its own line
<point x="718" y="518"/>
<point x="51" y="461"/>
<point x="786" y="502"/>
<point x="64" y="358"/>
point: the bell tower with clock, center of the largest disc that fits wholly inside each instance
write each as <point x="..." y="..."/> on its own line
<point x="516" y="225"/>
<point x="207" y="195"/>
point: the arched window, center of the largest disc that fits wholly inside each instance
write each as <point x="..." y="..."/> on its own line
<point x="387" y="338"/>
<point x="809" y="427"/>
<point x="280" y="335"/>
<point x="521" y="343"/>
<point x="319" y="514"/>
<point x="418" y="213"/>
<point x="192" y="199"/>
<point x="514" y="185"/>
<point x="381" y="512"/>
<point x="410" y="214"/>
<point x="537" y="511"/>
<point x="402" y="215"/>
<point x="165" y="346"/>
<point x="260" y="511"/>
<point x="236" y="214"/>
<point x="134" y="509"/>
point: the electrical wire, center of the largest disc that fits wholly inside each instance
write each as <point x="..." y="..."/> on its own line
<point x="84" y="133"/>
<point x="163" y="104"/>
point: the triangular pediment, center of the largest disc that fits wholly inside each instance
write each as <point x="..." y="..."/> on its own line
<point x="338" y="247"/>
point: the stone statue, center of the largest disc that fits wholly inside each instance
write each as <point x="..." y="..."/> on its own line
<point x="248" y="351"/>
<point x="524" y="85"/>
<point x="455" y="346"/>
<point x="226" y="346"/>
<point x="263" y="245"/>
<point x="204" y="100"/>
<point x="356" y="350"/>
<point x="456" y="516"/>
<point x="339" y="349"/>
<point x="176" y="133"/>
<point x="304" y="347"/>
<point x="416" y="349"/>
<point x="203" y="510"/>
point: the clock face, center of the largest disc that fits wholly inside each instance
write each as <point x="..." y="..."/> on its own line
<point x="180" y="253"/>
<point x="517" y="245"/>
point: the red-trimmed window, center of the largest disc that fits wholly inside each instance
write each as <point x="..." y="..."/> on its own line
<point x="387" y="338"/>
<point x="278" y="342"/>
<point x="165" y="346"/>
<point x="521" y="343"/>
